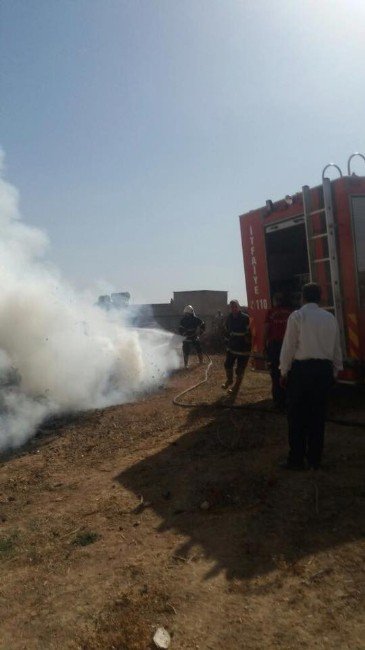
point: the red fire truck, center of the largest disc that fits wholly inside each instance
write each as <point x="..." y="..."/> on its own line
<point x="315" y="235"/>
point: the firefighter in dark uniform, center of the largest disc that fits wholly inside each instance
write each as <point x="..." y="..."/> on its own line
<point x="237" y="331"/>
<point x="190" y="328"/>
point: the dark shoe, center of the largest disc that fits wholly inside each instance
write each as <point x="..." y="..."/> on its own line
<point x="234" y="390"/>
<point x="280" y="406"/>
<point x="227" y="384"/>
<point x="315" y="466"/>
<point x="292" y="466"/>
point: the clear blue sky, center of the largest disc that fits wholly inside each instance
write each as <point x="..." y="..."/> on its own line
<point x="138" y="130"/>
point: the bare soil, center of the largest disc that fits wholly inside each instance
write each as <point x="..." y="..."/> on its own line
<point x="103" y="537"/>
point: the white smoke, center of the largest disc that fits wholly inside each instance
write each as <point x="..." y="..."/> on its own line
<point x="58" y="353"/>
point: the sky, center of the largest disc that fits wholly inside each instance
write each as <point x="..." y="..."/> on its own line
<point x="137" y="131"/>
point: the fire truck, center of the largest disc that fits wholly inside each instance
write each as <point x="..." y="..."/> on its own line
<point x="316" y="235"/>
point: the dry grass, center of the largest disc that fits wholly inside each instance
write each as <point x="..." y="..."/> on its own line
<point x="127" y="624"/>
<point x="103" y="538"/>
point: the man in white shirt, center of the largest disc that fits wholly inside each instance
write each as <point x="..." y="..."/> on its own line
<point x="310" y="360"/>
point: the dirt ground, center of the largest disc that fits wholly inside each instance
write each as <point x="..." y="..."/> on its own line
<point x="103" y="537"/>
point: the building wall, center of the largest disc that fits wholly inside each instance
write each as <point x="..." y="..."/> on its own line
<point x="204" y="302"/>
<point x="168" y="315"/>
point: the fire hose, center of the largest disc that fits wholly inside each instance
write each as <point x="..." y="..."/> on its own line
<point x="177" y="402"/>
<point x="199" y="383"/>
<point x="247" y="407"/>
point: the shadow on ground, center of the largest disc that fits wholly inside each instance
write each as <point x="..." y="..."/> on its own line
<point x="218" y="485"/>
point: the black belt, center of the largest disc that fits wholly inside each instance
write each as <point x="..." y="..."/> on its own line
<point x="311" y="361"/>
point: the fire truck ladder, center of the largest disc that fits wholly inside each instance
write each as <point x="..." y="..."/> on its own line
<point x="349" y="162"/>
<point x="329" y="238"/>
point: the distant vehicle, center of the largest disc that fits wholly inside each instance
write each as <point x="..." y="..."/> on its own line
<point x="115" y="301"/>
<point x="315" y="235"/>
<point x="120" y="300"/>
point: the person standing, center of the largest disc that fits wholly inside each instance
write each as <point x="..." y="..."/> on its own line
<point x="191" y="327"/>
<point x="237" y="332"/>
<point x="310" y="360"/>
<point x="274" y="331"/>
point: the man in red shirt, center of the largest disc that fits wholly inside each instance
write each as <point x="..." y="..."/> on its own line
<point x="274" y="331"/>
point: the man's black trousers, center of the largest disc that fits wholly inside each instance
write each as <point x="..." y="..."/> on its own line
<point x="309" y="383"/>
<point x="242" y="361"/>
<point x="190" y="346"/>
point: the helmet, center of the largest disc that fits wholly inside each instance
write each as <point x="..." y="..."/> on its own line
<point x="188" y="309"/>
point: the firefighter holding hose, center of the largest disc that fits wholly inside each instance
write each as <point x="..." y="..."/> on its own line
<point x="190" y="328"/>
<point x="238" y="338"/>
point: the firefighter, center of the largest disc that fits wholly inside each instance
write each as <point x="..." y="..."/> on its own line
<point x="237" y="331"/>
<point x="191" y="327"/>
<point x="274" y="331"/>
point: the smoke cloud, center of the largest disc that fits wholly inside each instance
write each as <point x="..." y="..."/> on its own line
<point x="59" y="353"/>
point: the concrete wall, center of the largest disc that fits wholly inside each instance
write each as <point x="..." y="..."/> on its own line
<point x="161" y="314"/>
<point x="168" y="315"/>
<point x="206" y="304"/>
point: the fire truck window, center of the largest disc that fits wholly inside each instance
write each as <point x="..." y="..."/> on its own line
<point x="287" y="261"/>
<point x="358" y="211"/>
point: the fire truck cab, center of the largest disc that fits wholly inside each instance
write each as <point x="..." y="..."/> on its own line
<point x="315" y="235"/>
